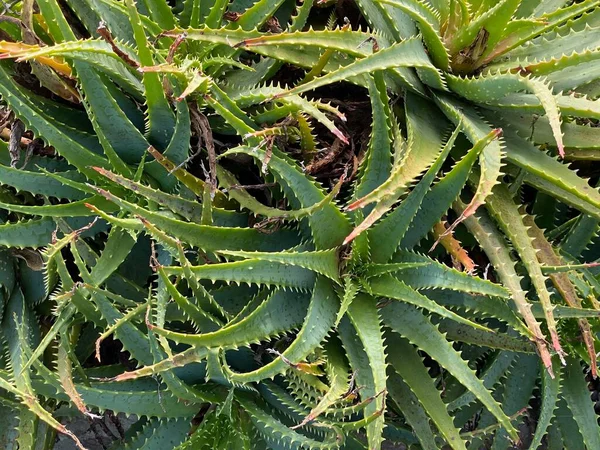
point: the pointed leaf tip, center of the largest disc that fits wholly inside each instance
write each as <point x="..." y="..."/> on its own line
<point x="341" y="136"/>
<point x="100" y="170"/>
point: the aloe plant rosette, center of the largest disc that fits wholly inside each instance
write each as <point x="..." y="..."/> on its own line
<point x="312" y="316"/>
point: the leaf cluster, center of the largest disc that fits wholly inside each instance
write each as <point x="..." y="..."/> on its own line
<point x="438" y="288"/>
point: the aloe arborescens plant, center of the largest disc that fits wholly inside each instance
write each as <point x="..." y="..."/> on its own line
<point x="302" y="318"/>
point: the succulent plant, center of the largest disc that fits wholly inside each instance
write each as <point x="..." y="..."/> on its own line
<point x="258" y="308"/>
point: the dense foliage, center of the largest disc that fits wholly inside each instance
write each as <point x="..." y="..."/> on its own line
<point x="193" y="233"/>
